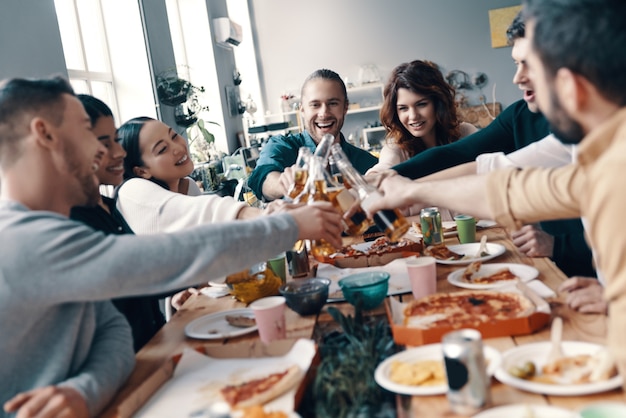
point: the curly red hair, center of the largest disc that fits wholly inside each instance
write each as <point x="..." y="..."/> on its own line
<point x="424" y="78"/>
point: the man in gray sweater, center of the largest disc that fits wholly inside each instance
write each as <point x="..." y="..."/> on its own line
<point x="66" y="350"/>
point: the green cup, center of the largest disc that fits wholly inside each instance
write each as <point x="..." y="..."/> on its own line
<point x="277" y="264"/>
<point x="466" y="227"/>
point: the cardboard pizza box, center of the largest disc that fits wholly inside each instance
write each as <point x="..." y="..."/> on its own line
<point x="410" y="336"/>
<point x="373" y="260"/>
<point x="241" y="350"/>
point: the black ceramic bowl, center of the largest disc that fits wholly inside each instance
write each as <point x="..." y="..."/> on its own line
<point x="306" y="296"/>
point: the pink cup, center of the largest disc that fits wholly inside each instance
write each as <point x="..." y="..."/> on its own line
<point x="422" y="275"/>
<point x="269" y="314"/>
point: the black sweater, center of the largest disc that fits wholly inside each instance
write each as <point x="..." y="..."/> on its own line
<point x="142" y="312"/>
<point x="513" y="129"/>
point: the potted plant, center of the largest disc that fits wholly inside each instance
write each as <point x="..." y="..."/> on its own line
<point x="173" y="90"/>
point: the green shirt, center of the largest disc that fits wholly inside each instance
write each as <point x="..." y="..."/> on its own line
<point x="281" y="151"/>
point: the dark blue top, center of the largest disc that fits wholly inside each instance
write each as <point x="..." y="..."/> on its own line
<point x="513" y="129"/>
<point x="142" y="312"/>
<point x="281" y="151"/>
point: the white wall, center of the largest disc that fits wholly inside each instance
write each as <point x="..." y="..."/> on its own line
<point x="30" y="41"/>
<point x="294" y="38"/>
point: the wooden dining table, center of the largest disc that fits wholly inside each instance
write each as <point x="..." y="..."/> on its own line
<point x="171" y="339"/>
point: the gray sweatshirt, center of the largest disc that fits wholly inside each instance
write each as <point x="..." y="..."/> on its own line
<point x="57" y="275"/>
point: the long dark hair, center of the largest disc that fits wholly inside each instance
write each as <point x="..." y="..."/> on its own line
<point x="94" y="107"/>
<point x="128" y="135"/>
<point x="424" y="78"/>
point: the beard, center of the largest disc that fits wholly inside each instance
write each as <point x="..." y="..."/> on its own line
<point x="562" y="126"/>
<point x="88" y="184"/>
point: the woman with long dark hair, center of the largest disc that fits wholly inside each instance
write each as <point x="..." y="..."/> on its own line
<point x="158" y="195"/>
<point x="142" y="312"/>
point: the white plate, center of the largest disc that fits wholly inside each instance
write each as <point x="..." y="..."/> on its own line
<point x="214" y="326"/>
<point x="425" y="352"/>
<point x="524" y="272"/>
<point x="485" y="223"/>
<point x="198" y="378"/>
<point x="525" y="411"/>
<point x="537" y="353"/>
<point x="470" y="250"/>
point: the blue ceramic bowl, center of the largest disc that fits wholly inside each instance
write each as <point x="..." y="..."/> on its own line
<point x="306" y="296"/>
<point x="370" y="287"/>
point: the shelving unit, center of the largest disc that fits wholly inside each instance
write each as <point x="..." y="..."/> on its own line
<point x="363" y="114"/>
<point x="274" y="124"/>
<point x="373" y="137"/>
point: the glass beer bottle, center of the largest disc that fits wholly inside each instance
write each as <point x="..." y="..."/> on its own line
<point x="343" y="199"/>
<point x="317" y="193"/>
<point x="390" y="221"/>
<point x="323" y="148"/>
<point x="301" y="174"/>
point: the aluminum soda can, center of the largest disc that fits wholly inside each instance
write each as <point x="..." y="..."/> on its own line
<point x="469" y="388"/>
<point x="430" y="223"/>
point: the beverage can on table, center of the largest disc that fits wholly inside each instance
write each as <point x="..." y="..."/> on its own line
<point x="468" y="385"/>
<point x="430" y="223"/>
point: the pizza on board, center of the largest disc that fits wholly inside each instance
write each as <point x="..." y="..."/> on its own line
<point x="466" y="309"/>
<point x="261" y="390"/>
<point x="380" y="246"/>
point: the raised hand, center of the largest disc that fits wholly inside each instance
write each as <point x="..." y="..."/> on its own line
<point x="396" y="191"/>
<point x="319" y="220"/>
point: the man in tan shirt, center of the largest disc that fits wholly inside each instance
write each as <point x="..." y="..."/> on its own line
<point x="578" y="68"/>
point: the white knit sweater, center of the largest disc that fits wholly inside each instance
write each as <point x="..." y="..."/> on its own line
<point x="149" y="208"/>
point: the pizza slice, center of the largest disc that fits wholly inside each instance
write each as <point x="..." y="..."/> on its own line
<point x="442" y="252"/>
<point x="470" y="270"/>
<point x="499" y="276"/>
<point x="470" y="275"/>
<point x="240" y="321"/>
<point x="261" y="390"/>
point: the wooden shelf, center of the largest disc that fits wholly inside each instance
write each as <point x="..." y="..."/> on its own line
<point x="364" y="109"/>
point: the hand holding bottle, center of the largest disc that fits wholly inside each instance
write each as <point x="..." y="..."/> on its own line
<point x="394" y="192"/>
<point x="319" y="221"/>
<point x="390" y="221"/>
<point x="295" y="177"/>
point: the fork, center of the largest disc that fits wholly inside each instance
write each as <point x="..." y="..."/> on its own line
<point x="483" y="246"/>
<point x="556" y="333"/>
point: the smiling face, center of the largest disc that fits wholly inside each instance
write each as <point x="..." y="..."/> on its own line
<point x="164" y="153"/>
<point x="112" y="166"/>
<point x="324" y="108"/>
<point x="82" y="155"/>
<point x="561" y="123"/>
<point x="417" y="114"/>
<point x="519" y="52"/>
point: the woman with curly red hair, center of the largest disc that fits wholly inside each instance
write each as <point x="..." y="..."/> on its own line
<point x="419" y="112"/>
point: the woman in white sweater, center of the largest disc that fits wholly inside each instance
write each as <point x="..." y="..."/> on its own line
<point x="158" y="194"/>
